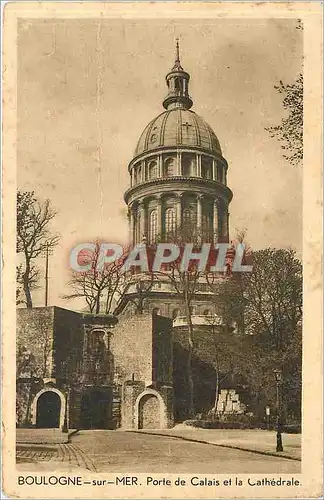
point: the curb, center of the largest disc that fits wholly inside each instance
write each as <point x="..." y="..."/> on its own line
<point x="68" y="435"/>
<point x="72" y="433"/>
<point x="233" y="447"/>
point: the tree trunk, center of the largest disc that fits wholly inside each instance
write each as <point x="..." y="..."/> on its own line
<point x="29" y="302"/>
<point x="98" y="304"/>
<point x="216" y="390"/>
<point x="191" y="406"/>
<point x="29" y="402"/>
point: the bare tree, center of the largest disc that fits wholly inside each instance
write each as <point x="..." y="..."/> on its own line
<point x="100" y="288"/>
<point x="33" y="282"/>
<point x="186" y="284"/>
<point x="33" y="237"/>
<point x="142" y="285"/>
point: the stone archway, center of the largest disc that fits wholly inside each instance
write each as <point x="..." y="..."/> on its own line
<point x="150" y="411"/>
<point x="48" y="408"/>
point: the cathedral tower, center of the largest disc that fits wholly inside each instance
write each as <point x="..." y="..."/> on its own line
<point x="178" y="175"/>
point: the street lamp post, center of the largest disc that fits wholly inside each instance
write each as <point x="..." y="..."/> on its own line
<point x="267" y="411"/>
<point x="278" y="375"/>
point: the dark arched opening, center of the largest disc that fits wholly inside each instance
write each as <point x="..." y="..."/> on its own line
<point x="48" y="410"/>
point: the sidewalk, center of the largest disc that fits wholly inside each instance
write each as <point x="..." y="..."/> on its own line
<point x="43" y="436"/>
<point x="254" y="440"/>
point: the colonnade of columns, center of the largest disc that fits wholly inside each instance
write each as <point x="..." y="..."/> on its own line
<point x="217" y="173"/>
<point x="139" y="212"/>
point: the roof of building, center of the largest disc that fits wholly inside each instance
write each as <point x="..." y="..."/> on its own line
<point x="178" y="127"/>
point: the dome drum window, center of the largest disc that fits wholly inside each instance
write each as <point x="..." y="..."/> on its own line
<point x="207" y="169"/>
<point x="169" y="167"/>
<point x="170" y="221"/>
<point x="152" y="226"/>
<point x="189" y="165"/>
<point x="152" y="170"/>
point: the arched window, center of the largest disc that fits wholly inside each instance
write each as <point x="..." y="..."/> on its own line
<point x="170" y="220"/>
<point x="152" y="229"/>
<point x="189" y="217"/>
<point x="207" y="227"/>
<point x="169" y="167"/>
<point x="152" y="170"/>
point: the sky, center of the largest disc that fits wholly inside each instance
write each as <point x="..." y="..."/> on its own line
<point x="87" y="88"/>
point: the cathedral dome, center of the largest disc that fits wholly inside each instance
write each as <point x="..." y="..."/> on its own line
<point x="178" y="127"/>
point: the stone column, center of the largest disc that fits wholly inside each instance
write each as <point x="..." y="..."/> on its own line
<point x="199" y="213"/>
<point x="178" y="211"/>
<point x="179" y="166"/>
<point x="131" y="177"/>
<point x="142" y="222"/>
<point x="198" y="165"/>
<point x="160" y="166"/>
<point x="130" y="215"/>
<point x="214" y="170"/>
<point x="159" y="215"/>
<point x="143" y="171"/>
<point x="215" y="221"/>
<point x="225" y="223"/>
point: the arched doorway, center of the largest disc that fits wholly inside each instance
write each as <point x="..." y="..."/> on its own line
<point x="96" y="410"/>
<point x="149" y="412"/>
<point x="48" y="410"/>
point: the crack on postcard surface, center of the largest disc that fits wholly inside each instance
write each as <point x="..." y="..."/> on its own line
<point x="99" y="121"/>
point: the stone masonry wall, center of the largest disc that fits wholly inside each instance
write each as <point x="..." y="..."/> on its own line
<point x="131" y="345"/>
<point x="35" y="331"/>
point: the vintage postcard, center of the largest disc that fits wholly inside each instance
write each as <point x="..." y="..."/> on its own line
<point x="162" y="250"/>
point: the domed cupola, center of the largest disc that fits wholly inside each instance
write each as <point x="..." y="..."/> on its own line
<point x="178" y="175"/>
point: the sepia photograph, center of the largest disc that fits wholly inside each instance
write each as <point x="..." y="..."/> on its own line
<point x="159" y="267"/>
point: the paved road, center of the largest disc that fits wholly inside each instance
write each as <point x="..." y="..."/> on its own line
<point x="118" y="451"/>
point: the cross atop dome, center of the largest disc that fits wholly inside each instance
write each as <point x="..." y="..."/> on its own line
<point x="178" y="82"/>
<point x="177" y="65"/>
